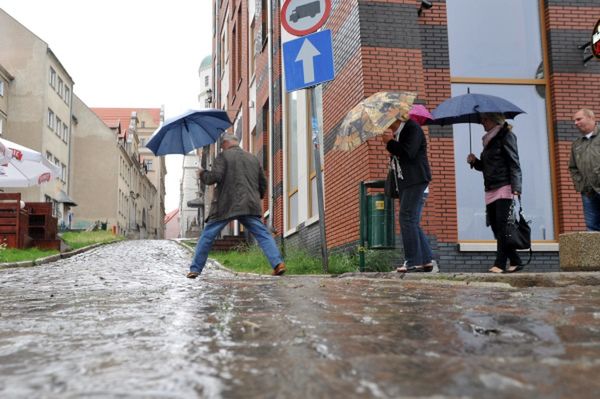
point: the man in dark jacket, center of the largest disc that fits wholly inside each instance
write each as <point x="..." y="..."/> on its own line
<point x="584" y="166"/>
<point x="240" y="185"/>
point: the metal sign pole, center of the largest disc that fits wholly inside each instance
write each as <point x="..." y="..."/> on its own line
<point x="317" y="156"/>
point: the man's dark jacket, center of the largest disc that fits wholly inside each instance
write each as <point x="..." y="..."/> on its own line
<point x="499" y="162"/>
<point x="241" y="184"/>
<point x="411" y="150"/>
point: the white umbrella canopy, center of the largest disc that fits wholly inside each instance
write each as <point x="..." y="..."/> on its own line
<point x="23" y="167"/>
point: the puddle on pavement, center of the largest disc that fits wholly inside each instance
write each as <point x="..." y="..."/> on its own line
<point x="123" y="321"/>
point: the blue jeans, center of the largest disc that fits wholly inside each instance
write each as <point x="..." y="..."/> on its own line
<point x="416" y="244"/>
<point x="254" y="225"/>
<point x="591" y="211"/>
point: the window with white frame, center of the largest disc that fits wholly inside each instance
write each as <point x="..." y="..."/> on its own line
<point x="501" y="56"/>
<point x="52" y="77"/>
<point x="252" y="48"/>
<point x="1" y="126"/>
<point x="313" y="209"/>
<point x="1" y="88"/>
<point x="292" y="160"/>
<point x="61" y="88"/>
<point x="67" y="97"/>
<point x="51" y="119"/>
<point x="58" y="126"/>
<point x="63" y="168"/>
<point x="65" y="133"/>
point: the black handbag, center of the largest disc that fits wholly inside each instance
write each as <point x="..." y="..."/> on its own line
<point x="518" y="231"/>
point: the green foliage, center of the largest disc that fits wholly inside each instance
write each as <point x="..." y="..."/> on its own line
<point x="9" y="255"/>
<point x="298" y="261"/>
<point x="80" y="239"/>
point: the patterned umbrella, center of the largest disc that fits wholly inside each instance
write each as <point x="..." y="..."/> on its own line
<point x="371" y="117"/>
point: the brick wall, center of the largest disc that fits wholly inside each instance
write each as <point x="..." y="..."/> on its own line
<point x="569" y="25"/>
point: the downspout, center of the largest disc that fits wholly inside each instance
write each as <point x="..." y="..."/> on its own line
<point x="271" y="114"/>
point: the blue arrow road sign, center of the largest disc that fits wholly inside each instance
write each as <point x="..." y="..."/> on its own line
<point x="308" y="61"/>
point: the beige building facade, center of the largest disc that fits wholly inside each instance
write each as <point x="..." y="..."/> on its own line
<point x="106" y="176"/>
<point x="137" y="126"/>
<point x="109" y="181"/>
<point x="5" y="79"/>
<point x="38" y="113"/>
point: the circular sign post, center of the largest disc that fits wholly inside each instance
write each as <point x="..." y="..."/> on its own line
<point x="301" y="17"/>
<point x="596" y="40"/>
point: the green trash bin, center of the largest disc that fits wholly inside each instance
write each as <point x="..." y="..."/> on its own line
<point x="380" y="222"/>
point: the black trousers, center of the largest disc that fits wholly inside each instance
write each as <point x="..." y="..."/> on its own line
<point x="497" y="213"/>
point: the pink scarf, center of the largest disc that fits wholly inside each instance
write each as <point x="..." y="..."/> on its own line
<point x="488" y="136"/>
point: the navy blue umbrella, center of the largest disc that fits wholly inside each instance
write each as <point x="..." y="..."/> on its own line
<point x="188" y="131"/>
<point x="467" y="107"/>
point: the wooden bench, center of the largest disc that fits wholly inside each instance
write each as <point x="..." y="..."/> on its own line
<point x="14" y="221"/>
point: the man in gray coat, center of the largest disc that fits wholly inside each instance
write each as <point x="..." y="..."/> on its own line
<point x="584" y="166"/>
<point x="241" y="184"/>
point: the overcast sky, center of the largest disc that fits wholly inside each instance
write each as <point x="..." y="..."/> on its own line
<point x="127" y="53"/>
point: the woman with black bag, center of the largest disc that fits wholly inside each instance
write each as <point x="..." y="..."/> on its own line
<point x="502" y="178"/>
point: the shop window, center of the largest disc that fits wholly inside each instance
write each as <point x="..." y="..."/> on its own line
<point x="496" y="48"/>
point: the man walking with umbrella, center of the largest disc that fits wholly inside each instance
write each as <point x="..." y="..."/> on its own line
<point x="584" y="166"/>
<point x="241" y="184"/>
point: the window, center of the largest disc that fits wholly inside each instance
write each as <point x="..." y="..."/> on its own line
<point x="264" y="22"/>
<point x="313" y="209"/>
<point x="52" y="77"/>
<point x="58" y="126"/>
<point x="67" y="97"/>
<point x="149" y="166"/>
<point x="1" y="126"/>
<point x="63" y="168"/>
<point x="501" y="56"/>
<point x="49" y="156"/>
<point x="238" y="48"/>
<point x="61" y="88"/>
<point x="292" y="159"/>
<point x="1" y="88"/>
<point x="65" y="133"/>
<point x="51" y="120"/>
<point x="252" y="48"/>
<point x="206" y="82"/>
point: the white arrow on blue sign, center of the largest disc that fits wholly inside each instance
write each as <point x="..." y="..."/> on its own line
<point x="308" y="61"/>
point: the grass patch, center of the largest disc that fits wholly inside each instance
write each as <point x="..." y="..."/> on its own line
<point x="9" y="255"/>
<point x="74" y="240"/>
<point x="80" y="239"/>
<point x="252" y="260"/>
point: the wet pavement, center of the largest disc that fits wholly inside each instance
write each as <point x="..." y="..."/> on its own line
<point x="122" y="321"/>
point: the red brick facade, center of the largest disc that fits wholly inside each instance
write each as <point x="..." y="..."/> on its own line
<point x="384" y="45"/>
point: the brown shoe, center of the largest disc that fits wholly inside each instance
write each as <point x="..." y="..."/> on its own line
<point x="279" y="269"/>
<point x="192" y="274"/>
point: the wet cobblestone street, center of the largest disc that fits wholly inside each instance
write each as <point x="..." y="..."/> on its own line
<point x="122" y="321"/>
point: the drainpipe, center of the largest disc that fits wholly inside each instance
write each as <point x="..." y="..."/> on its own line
<point x="271" y="113"/>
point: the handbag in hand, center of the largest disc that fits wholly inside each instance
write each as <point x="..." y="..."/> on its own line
<point x="518" y="231"/>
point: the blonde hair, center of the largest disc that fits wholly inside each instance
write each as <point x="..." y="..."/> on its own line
<point x="497" y="118"/>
